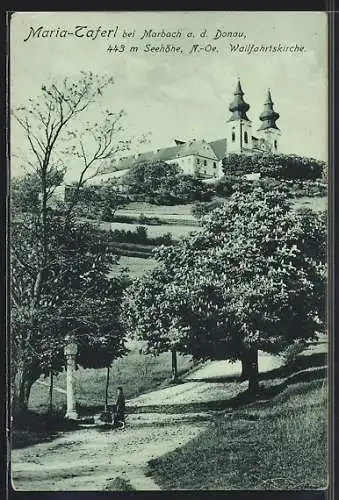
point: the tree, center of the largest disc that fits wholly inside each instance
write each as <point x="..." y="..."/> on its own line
<point x="161" y="183"/>
<point x="101" y="200"/>
<point x="253" y="278"/>
<point x="277" y="166"/>
<point x="76" y="297"/>
<point x="59" y="269"/>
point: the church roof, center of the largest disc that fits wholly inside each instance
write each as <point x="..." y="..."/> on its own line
<point x="214" y="150"/>
<point x="268" y="116"/>
<point x="219" y="148"/>
<point x="238" y="106"/>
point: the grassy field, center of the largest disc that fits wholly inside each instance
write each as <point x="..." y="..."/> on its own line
<point x="176" y="230"/>
<point x="278" y="444"/>
<point x="317" y="203"/>
<point x="157" y="210"/>
<point x="136" y="372"/>
<point x="137" y="267"/>
<point x="183" y="212"/>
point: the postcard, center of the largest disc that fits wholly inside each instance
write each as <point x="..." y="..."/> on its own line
<point x="168" y="251"/>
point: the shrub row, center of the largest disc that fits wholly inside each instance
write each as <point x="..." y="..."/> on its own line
<point x="132" y="253"/>
<point x="228" y="185"/>
<point x="138" y="237"/>
<point x="132" y="246"/>
<point x="134" y="219"/>
<point x="275" y="166"/>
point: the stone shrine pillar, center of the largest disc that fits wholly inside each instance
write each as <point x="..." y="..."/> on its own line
<point x="70" y="351"/>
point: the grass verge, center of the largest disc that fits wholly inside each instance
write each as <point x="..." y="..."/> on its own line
<point x="137" y="373"/>
<point x="276" y="445"/>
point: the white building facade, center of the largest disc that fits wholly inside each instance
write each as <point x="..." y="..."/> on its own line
<point x="203" y="159"/>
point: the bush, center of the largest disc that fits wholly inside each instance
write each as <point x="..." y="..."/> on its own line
<point x="137" y="237"/>
<point x="224" y="186"/>
<point x="228" y="185"/>
<point x="160" y="183"/>
<point x="119" y="484"/>
<point x="166" y="239"/>
<point x="289" y="167"/>
<point x="291" y="353"/>
<point x="128" y="219"/>
<point x="150" y="221"/>
<point x="141" y="233"/>
<point x="296" y="188"/>
<point x="202" y="208"/>
<point x="138" y="247"/>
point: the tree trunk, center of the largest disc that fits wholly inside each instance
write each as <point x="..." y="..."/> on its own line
<point x="107" y="386"/>
<point x="51" y="392"/>
<point x="253" y="375"/>
<point x="245" y="366"/>
<point x="23" y="381"/>
<point x="174" y="365"/>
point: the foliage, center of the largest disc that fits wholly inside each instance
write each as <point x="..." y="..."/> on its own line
<point x="200" y="209"/>
<point x="98" y="201"/>
<point x="136" y="373"/>
<point x="292" y="351"/>
<point x="58" y="270"/>
<point x="276" y="166"/>
<point x="139" y="236"/>
<point x="26" y="190"/>
<point x="253" y="278"/>
<point x="160" y="183"/>
<point x="76" y="298"/>
<point x="227" y="185"/>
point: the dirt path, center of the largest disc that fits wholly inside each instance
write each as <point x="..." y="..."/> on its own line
<point x="157" y="423"/>
<point x="89" y="459"/>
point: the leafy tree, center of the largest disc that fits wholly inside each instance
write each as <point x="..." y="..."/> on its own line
<point x="101" y="200"/>
<point x="59" y="270"/>
<point x="25" y="192"/>
<point x="276" y="166"/>
<point x="253" y="278"/>
<point x="75" y="297"/>
<point x="200" y="209"/>
<point x="162" y="183"/>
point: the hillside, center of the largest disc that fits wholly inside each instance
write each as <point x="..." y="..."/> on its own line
<point x="202" y="434"/>
<point x="278" y="444"/>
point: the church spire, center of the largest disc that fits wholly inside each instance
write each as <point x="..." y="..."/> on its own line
<point x="238" y="106"/>
<point x="268" y="116"/>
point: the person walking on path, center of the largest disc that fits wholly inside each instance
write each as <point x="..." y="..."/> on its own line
<point x="119" y="417"/>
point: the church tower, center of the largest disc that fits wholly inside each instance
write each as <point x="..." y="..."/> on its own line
<point x="268" y="132"/>
<point x="239" y="127"/>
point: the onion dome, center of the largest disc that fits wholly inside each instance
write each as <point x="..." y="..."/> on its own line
<point x="238" y="106"/>
<point x="268" y="116"/>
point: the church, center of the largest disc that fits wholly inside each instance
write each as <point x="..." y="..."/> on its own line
<point x="200" y="158"/>
<point x="203" y="159"/>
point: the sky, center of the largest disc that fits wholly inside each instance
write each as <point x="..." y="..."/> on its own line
<point x="182" y="95"/>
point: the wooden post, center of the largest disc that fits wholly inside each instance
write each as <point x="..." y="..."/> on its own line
<point x="106" y="389"/>
<point x="174" y="365"/>
<point x="50" y="391"/>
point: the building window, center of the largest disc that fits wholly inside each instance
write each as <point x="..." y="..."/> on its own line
<point x="245" y="137"/>
<point x="275" y="144"/>
<point x="214" y="165"/>
<point x="198" y="161"/>
<point x="233" y="136"/>
<point x="205" y="163"/>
